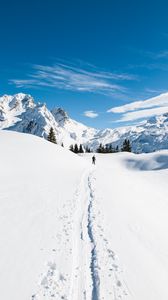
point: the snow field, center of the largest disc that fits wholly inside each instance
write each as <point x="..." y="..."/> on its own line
<point x="135" y="208"/>
<point x="73" y="231"/>
<point x="38" y="183"/>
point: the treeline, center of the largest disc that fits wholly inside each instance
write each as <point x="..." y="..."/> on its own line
<point x="126" y="147"/>
<point x="108" y="148"/>
<point x="79" y="149"/>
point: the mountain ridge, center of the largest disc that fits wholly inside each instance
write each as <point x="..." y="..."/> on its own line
<point x="21" y="113"/>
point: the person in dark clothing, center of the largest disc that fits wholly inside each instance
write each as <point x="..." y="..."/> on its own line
<point x="93" y="160"/>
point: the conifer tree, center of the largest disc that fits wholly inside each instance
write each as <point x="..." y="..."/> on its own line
<point x="100" y="149"/>
<point x="71" y="148"/>
<point x="107" y="148"/>
<point x="126" y="146"/>
<point x="76" y="150"/>
<point x="129" y="148"/>
<point x="62" y="144"/>
<point x="81" y="149"/>
<point x="117" y="149"/>
<point x="51" y="136"/>
<point x="87" y="149"/>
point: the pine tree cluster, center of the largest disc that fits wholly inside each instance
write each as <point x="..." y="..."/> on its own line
<point x="107" y="149"/>
<point x="87" y="149"/>
<point x="76" y="149"/>
<point x="126" y="146"/>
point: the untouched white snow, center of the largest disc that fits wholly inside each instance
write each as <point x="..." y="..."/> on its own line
<point x="73" y="231"/>
<point x="37" y="203"/>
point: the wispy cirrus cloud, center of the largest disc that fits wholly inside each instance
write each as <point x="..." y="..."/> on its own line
<point x="162" y="54"/>
<point x="142" y="109"/>
<point x="155" y="91"/>
<point x="157" y="60"/>
<point x="156" y="55"/>
<point x="71" y="77"/>
<point x="90" y="114"/>
<point x="151" y="54"/>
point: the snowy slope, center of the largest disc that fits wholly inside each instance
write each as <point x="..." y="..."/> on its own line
<point x="129" y="211"/>
<point x="37" y="196"/>
<point x="72" y="231"/>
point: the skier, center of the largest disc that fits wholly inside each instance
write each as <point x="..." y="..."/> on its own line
<point x="93" y="159"/>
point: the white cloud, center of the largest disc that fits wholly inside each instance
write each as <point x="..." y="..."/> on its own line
<point x="70" y="77"/>
<point x="90" y="114"/>
<point x="161" y="100"/>
<point x="142" y="109"/>
<point x="155" y="91"/>
<point x="143" y="114"/>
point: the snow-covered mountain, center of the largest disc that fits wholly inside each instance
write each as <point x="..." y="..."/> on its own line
<point x="21" y="113"/>
<point x="149" y="136"/>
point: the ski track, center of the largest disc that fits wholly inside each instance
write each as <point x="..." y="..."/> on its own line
<point x="107" y="276"/>
<point x="94" y="261"/>
<point x="95" y="272"/>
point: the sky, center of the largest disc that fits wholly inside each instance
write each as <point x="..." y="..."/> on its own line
<point x="104" y="62"/>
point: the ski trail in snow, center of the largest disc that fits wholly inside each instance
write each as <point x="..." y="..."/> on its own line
<point x="85" y="278"/>
<point x="95" y="272"/>
<point x="80" y="278"/>
<point x="94" y="262"/>
<point x="106" y="274"/>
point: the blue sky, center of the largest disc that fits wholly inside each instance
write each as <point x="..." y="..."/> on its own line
<point x="88" y="57"/>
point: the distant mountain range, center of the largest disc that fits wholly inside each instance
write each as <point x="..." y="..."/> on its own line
<point x="20" y="113"/>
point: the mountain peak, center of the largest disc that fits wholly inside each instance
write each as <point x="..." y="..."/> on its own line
<point x="21" y="101"/>
<point x="60" y="115"/>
